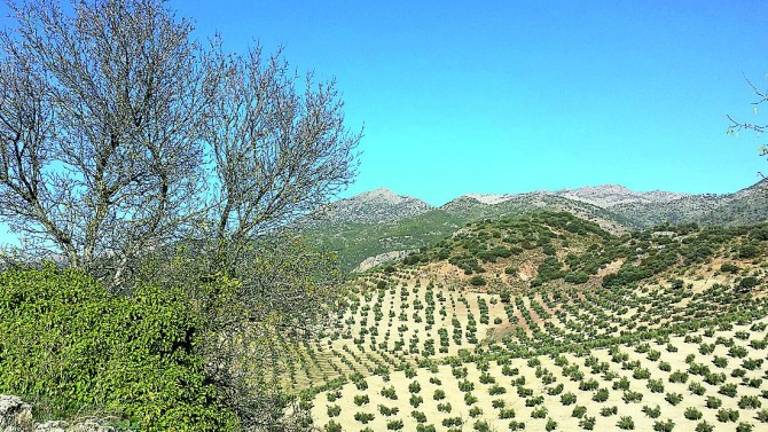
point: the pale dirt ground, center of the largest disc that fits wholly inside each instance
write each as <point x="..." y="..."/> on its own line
<point x="328" y="362"/>
<point x="451" y="281"/>
<point x="561" y="414"/>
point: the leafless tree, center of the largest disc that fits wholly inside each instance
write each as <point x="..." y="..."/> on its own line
<point x="101" y="116"/>
<point x="736" y="125"/>
<point x="107" y="118"/>
<point x="279" y="152"/>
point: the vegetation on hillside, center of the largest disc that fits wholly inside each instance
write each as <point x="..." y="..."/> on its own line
<point x="356" y="241"/>
<point x="546" y="319"/>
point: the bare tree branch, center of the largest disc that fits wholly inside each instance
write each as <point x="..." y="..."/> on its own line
<point x="101" y="119"/>
<point x="280" y="151"/>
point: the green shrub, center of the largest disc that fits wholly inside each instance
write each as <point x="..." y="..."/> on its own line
<point x="568" y="398"/>
<point x="506" y="413"/>
<point x="364" y="418"/>
<point x="713" y="402"/>
<point x="133" y="357"/>
<point x="652" y="412"/>
<point x="747" y="283"/>
<point x="692" y="413"/>
<point x="551" y="425"/>
<point x="673" y="398"/>
<point x="332" y="426"/>
<point x="333" y="410"/>
<point x="477" y="280"/>
<point x="725" y="415"/>
<point x="587" y="423"/>
<point x="748" y="250"/>
<point x="664" y="426"/>
<point x="626" y="423"/>
<point x="579" y="411"/>
<point x="576" y="277"/>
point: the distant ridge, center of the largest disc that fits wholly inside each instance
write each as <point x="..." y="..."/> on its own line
<point x="606" y="195"/>
<point x="376" y="206"/>
<point x="383" y="222"/>
<point x="613" y="194"/>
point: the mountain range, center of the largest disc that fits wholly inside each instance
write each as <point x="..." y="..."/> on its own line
<point x="377" y="225"/>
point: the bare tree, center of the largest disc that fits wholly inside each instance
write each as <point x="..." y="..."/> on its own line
<point x="736" y="126"/>
<point x="108" y="115"/>
<point x="279" y="153"/>
<point x="100" y="122"/>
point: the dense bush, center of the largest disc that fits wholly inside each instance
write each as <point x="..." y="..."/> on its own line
<point x="477" y="280"/>
<point x="747" y="283"/>
<point x="576" y="277"/>
<point x="71" y="347"/>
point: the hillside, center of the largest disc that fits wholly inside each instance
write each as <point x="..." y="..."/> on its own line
<point x="545" y="321"/>
<point x="747" y="206"/>
<point x="381" y="222"/>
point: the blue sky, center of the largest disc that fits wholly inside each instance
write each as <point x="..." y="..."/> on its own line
<point x="511" y="96"/>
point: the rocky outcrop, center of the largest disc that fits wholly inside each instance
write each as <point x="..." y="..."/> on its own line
<point x="376" y="206"/>
<point x="610" y="195"/>
<point x="16" y="416"/>
<point x="379" y="259"/>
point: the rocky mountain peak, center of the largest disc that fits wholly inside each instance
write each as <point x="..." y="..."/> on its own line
<point x="609" y="195"/>
<point x="378" y="205"/>
<point x="382" y="195"/>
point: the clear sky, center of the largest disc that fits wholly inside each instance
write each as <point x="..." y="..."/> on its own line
<point x="512" y="96"/>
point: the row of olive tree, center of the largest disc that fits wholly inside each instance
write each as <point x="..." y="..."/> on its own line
<point x="121" y="134"/>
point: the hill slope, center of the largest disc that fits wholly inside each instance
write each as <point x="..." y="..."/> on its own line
<point x="545" y="321"/>
<point x="380" y="222"/>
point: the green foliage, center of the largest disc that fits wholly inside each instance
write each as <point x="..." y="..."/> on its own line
<point x="748" y="250"/>
<point x="576" y="277"/>
<point x="71" y="347"/>
<point x="747" y="283"/>
<point x="477" y="280"/>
